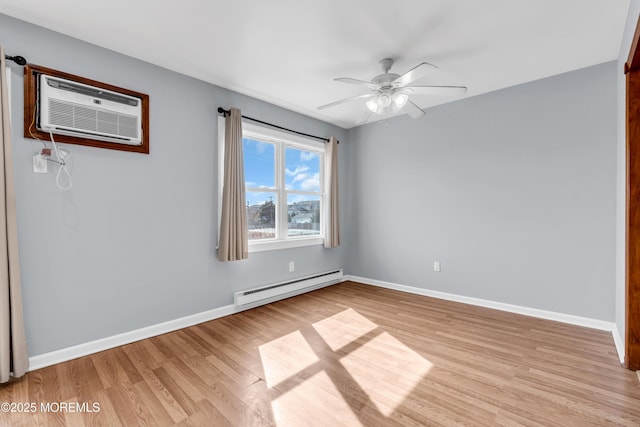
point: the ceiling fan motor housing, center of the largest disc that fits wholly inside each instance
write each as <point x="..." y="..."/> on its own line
<point x="385" y="80"/>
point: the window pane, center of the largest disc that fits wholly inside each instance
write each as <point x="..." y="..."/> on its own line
<point x="303" y="216"/>
<point x="259" y="163"/>
<point x="261" y="215"/>
<point x="302" y="170"/>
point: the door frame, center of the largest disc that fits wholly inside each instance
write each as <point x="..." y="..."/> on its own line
<point x="632" y="250"/>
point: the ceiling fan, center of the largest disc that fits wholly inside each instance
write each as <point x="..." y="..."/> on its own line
<point x="391" y="93"/>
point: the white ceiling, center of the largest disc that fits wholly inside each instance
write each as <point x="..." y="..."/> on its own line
<point x="287" y="52"/>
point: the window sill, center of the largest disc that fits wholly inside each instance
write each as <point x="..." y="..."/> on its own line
<point x="284" y="244"/>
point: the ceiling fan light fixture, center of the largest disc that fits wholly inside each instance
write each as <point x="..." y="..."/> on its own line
<point x="384" y="100"/>
<point x="400" y="99"/>
<point x="373" y="105"/>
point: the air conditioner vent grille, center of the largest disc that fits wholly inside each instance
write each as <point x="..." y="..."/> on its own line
<point x="60" y="113"/>
<point x="69" y="115"/>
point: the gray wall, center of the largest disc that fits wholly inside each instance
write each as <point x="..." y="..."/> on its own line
<point x="629" y="31"/>
<point x="133" y="243"/>
<point x="512" y="191"/>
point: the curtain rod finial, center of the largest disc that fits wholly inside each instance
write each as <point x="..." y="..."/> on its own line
<point x="17" y="59"/>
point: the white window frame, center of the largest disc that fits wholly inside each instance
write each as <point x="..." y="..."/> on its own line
<point x="281" y="140"/>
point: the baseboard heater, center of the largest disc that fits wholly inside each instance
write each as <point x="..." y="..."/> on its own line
<point x="257" y="294"/>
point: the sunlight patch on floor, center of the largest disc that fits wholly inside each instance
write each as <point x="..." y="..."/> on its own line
<point x="386" y="370"/>
<point x="314" y="402"/>
<point x="286" y="356"/>
<point x="343" y="328"/>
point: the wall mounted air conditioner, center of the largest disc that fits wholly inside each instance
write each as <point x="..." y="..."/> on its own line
<point x="70" y="108"/>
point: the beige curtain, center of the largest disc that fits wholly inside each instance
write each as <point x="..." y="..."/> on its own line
<point x="332" y="237"/>
<point x="13" y="344"/>
<point x="233" y="244"/>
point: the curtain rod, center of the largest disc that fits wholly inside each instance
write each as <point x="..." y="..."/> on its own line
<point x="227" y="112"/>
<point x="17" y="59"/>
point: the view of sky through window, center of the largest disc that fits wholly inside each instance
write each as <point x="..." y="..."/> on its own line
<point x="302" y="170"/>
<point x="259" y="164"/>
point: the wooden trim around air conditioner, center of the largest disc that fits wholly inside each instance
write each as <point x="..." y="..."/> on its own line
<point x="31" y="73"/>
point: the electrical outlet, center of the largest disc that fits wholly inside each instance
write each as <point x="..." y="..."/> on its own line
<point x="436" y="266"/>
<point x="292" y="266"/>
<point x="39" y="164"/>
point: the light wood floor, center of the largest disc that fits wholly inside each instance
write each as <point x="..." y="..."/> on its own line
<point x="350" y="354"/>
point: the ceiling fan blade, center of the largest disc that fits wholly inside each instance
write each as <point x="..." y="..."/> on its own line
<point x="417" y="72"/>
<point x="356" y="82"/>
<point x="413" y="110"/>
<point x="436" y="90"/>
<point x="343" y="101"/>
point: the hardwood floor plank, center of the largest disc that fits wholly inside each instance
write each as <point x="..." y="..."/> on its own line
<point x="106" y="416"/>
<point x="206" y="415"/>
<point x="259" y="398"/>
<point x="154" y="405"/>
<point x="130" y="407"/>
<point x="110" y="372"/>
<point x="151" y="356"/>
<point x="314" y="401"/>
<point x="349" y="354"/>
<point x="218" y="390"/>
<point x="164" y="396"/>
<point x="161" y="347"/>
<point x="127" y="365"/>
<point x="176" y="391"/>
<point x="74" y="419"/>
<point x="126" y="412"/>
<point x="185" y="378"/>
<point x="232" y="369"/>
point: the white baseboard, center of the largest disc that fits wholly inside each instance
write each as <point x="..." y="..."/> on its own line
<point x="619" y="342"/>
<point x="527" y="311"/>
<point x="84" y="349"/>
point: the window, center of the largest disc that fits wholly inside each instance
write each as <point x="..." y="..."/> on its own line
<point x="284" y="188"/>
